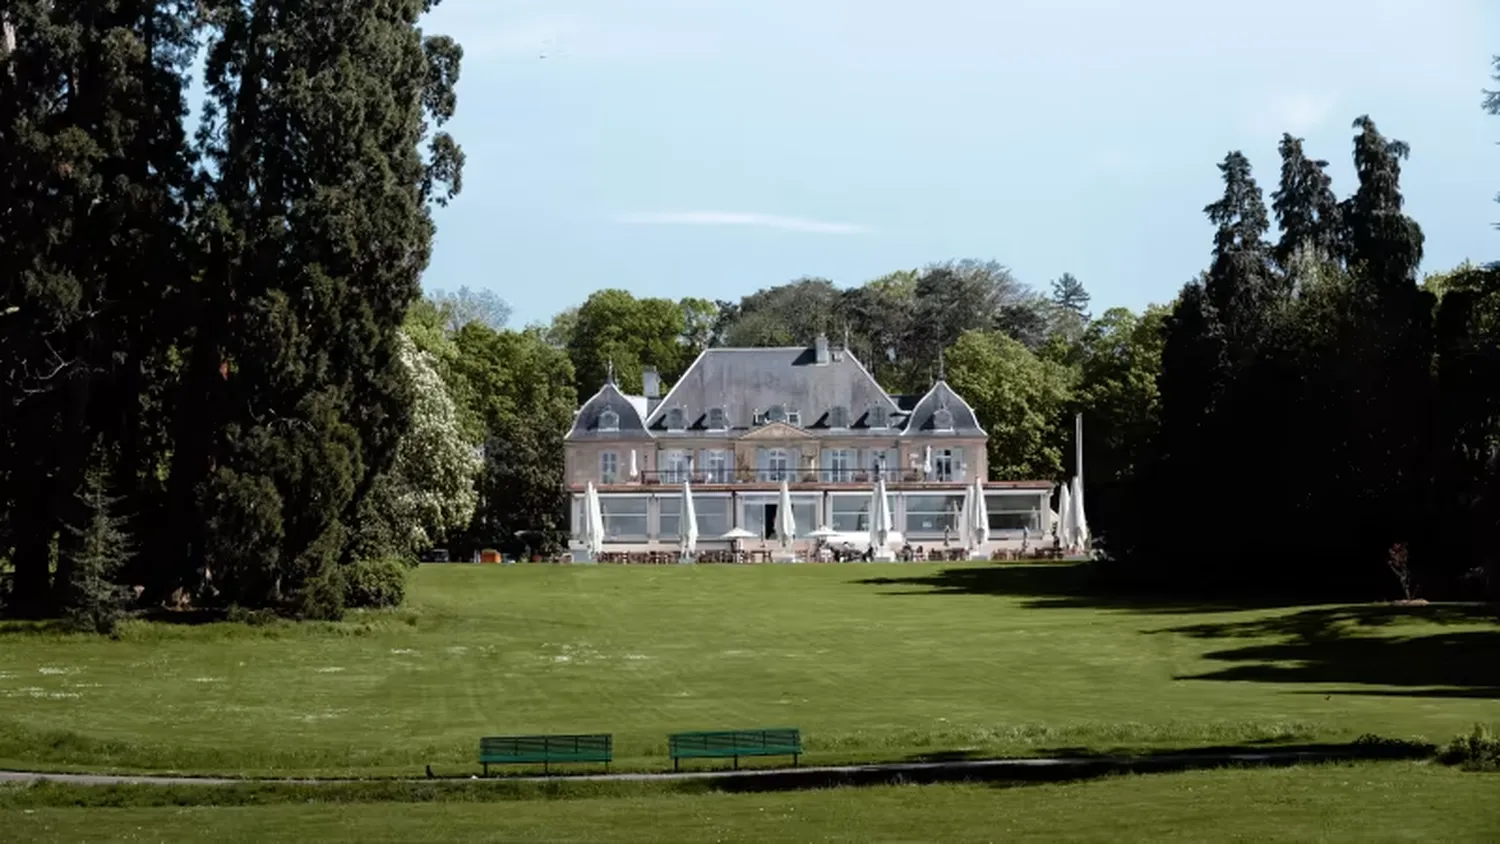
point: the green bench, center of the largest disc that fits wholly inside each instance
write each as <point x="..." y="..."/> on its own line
<point x="722" y="744"/>
<point x="516" y="750"/>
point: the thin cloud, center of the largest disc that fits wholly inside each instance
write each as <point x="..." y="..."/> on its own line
<point x="1297" y="112"/>
<point x="738" y="218"/>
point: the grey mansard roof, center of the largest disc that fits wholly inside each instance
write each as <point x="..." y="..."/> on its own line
<point x="628" y="410"/>
<point x="745" y="383"/>
<point x="923" y="419"/>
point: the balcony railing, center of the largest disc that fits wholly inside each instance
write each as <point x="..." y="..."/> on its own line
<point x="763" y="476"/>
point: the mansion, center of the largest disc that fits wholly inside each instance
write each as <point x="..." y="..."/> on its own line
<point x="741" y="421"/>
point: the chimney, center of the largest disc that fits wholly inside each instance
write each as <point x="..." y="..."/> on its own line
<point x="820" y="348"/>
<point x="651" y="381"/>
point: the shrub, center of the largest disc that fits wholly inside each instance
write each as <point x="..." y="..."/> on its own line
<point x="376" y="583"/>
<point x="1478" y="751"/>
<point x="98" y="549"/>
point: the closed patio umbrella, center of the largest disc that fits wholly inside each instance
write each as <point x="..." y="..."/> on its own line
<point x="786" y="522"/>
<point x="979" y="516"/>
<point x="1080" y="521"/>
<point x="880" y="518"/>
<point x="594" y="535"/>
<point x="689" y="522"/>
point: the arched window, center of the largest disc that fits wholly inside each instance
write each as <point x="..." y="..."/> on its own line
<point x="876" y="417"/>
<point x="716" y="421"/>
<point x="942" y="420"/>
<point x="777" y="413"/>
<point x="838" y="417"/>
<point x="609" y="421"/>
<point x="676" y="419"/>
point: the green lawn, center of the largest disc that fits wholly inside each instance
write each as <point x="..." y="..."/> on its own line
<point x="1370" y="802"/>
<point x="940" y="658"/>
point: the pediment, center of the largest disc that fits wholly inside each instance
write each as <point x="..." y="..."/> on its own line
<point x="777" y="431"/>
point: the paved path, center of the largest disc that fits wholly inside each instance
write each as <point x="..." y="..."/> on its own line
<point x="996" y="769"/>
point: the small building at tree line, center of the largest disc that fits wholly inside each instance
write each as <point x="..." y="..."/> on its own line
<point x="742" y="420"/>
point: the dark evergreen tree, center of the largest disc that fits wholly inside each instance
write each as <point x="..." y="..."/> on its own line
<point x="93" y="596"/>
<point x="1239" y="282"/>
<point x="314" y="231"/>
<point x="1389" y="347"/>
<point x="1467" y="474"/>
<point x="90" y="237"/>
<point x="1069" y="294"/>
<point x="1305" y="206"/>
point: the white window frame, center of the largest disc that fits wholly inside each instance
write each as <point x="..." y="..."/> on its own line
<point x="675" y="419"/>
<point x="799" y="500"/>
<point x="700" y="499"/>
<point x="946" y="466"/>
<point x="719" y="466"/>
<point x="794" y="418"/>
<point x="998" y="512"/>
<point x="842" y="464"/>
<point x="645" y="533"/>
<point x="862" y="500"/>
<point x="677" y="464"/>
<point x="609" y="420"/>
<point x="953" y="519"/>
<point x="772" y="472"/>
<point x="611" y="460"/>
<point x="722" y="423"/>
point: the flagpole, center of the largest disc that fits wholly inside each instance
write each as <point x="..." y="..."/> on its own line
<point x="1078" y="447"/>
<point x="1078" y="466"/>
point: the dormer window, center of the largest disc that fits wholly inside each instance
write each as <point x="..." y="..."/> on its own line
<point x="876" y="418"/>
<point x="942" y="420"/>
<point x="838" y="417"/>
<point x="676" y="419"/>
<point x="794" y="417"/>
<point x="777" y="413"/>
<point x="609" y="421"/>
<point x="716" y="420"/>
<point x="759" y="418"/>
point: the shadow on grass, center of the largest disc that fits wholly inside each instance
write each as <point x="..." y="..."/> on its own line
<point x="155" y="615"/>
<point x="1363" y="645"/>
<point x="1072" y="765"/>
<point x="1071" y="586"/>
<point x="1064" y="767"/>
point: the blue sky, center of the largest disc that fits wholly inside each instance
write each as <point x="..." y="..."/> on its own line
<point x="714" y="147"/>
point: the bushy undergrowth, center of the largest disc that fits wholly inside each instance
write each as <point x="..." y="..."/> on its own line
<point x="375" y="584"/>
<point x="1477" y="751"/>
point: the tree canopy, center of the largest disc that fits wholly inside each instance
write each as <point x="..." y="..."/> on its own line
<point x="220" y="380"/>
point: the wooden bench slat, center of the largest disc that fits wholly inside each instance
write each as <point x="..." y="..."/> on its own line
<point x="719" y="744"/>
<point x="501" y="750"/>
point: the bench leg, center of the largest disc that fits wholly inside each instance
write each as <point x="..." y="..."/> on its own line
<point x="676" y="764"/>
<point x="795" y="757"/>
<point x="545" y="768"/>
<point x="736" y="763"/>
<point x="486" y="768"/>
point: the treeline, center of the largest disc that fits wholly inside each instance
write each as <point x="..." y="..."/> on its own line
<point x="219" y="384"/>
<point x="1328" y="421"/>
<point x="1308" y="414"/>
<point x="203" y="385"/>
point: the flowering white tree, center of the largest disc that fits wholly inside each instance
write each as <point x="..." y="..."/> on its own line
<point x="430" y="487"/>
